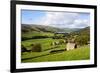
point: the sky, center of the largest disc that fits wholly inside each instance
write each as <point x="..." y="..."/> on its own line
<point x="55" y="18"/>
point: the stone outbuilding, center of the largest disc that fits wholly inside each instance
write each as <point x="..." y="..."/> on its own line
<point x="71" y="45"/>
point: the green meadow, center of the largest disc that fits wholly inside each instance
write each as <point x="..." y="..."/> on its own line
<point x="81" y="53"/>
<point x="45" y="37"/>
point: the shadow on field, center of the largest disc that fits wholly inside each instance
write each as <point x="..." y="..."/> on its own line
<point x="50" y="53"/>
<point x="51" y="48"/>
<point x="35" y="57"/>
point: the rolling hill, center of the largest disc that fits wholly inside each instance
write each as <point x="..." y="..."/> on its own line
<point x="82" y="37"/>
<point x="83" y="31"/>
<point x="42" y="28"/>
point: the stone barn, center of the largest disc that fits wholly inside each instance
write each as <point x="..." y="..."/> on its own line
<point x="71" y="45"/>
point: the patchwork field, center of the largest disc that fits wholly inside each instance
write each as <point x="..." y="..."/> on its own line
<point x="81" y="53"/>
<point x="42" y="44"/>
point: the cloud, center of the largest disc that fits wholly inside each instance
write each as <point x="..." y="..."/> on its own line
<point x="62" y="19"/>
<point x="81" y="23"/>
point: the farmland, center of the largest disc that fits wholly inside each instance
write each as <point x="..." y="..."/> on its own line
<point x="82" y="53"/>
<point x="46" y="38"/>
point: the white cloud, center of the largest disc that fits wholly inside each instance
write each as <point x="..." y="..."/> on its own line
<point x="81" y="23"/>
<point x="62" y="19"/>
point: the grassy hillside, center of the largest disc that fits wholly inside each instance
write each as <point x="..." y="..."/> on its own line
<point x="82" y="53"/>
<point x="42" y="28"/>
<point x="34" y="31"/>
<point x="44" y="35"/>
<point x="39" y="28"/>
<point x="83" y="31"/>
<point x="81" y="36"/>
<point x="46" y="43"/>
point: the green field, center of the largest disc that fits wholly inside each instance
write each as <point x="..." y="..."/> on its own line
<point x="45" y="36"/>
<point x="81" y="53"/>
<point x="46" y="43"/>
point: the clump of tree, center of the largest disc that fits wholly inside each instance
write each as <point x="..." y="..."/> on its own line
<point x="82" y="40"/>
<point x="25" y="38"/>
<point x="82" y="37"/>
<point x="61" y="42"/>
<point x="36" y="47"/>
<point x="33" y="37"/>
<point x="24" y="49"/>
<point x="66" y="40"/>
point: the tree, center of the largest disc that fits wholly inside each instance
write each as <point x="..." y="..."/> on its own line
<point x="36" y="47"/>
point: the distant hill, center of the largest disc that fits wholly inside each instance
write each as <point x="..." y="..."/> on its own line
<point x="42" y="28"/>
<point x="40" y="31"/>
<point x="69" y="30"/>
<point x="83" y="31"/>
<point x="81" y="36"/>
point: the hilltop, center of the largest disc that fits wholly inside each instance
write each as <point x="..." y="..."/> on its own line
<point x="42" y="28"/>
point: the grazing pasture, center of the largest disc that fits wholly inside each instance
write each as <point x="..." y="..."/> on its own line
<point x="81" y="53"/>
<point x="42" y="45"/>
<point x="46" y="43"/>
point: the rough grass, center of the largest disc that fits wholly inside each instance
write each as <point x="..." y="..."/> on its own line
<point x="82" y="53"/>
